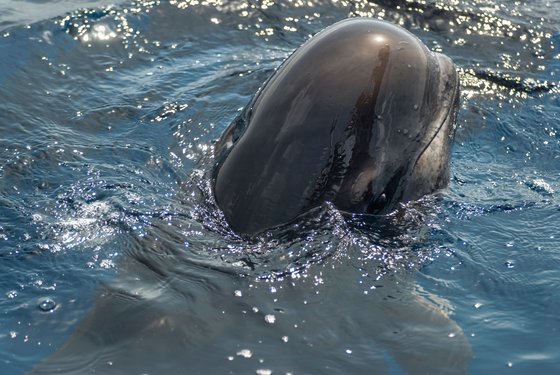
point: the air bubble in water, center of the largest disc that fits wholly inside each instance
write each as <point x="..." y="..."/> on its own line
<point x="47" y="304"/>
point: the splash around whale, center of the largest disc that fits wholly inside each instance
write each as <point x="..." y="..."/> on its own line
<point x="362" y="115"/>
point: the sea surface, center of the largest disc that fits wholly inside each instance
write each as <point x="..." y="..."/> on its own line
<point x="108" y="116"/>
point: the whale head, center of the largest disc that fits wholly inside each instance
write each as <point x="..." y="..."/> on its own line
<point x="362" y="115"/>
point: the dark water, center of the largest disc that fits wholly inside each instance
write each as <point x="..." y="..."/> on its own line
<point x="108" y="117"/>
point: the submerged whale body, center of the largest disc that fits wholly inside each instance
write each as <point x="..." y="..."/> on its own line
<point x="361" y="115"/>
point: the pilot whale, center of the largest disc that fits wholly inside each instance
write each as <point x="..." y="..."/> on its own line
<point x="362" y="115"/>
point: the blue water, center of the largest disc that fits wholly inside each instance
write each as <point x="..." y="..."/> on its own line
<point x="108" y="116"/>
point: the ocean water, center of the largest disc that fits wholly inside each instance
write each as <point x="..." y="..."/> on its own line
<point x="110" y="239"/>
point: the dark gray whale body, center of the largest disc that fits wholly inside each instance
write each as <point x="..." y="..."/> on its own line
<point x="362" y="115"/>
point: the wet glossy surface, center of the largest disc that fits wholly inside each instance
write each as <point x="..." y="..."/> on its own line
<point x="344" y="119"/>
